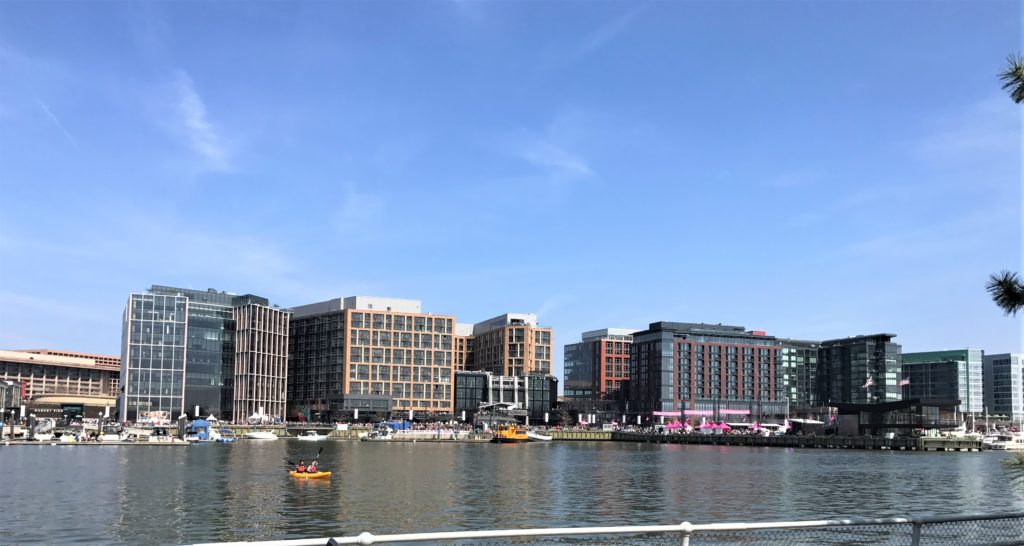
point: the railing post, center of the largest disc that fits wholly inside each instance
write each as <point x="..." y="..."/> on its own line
<point x="915" y="537"/>
<point x="687" y="529"/>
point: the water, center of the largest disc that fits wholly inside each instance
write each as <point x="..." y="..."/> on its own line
<point x="222" y="492"/>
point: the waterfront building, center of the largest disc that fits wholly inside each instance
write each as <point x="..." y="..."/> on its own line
<point x="60" y="383"/>
<point x="531" y="397"/>
<point x="859" y="370"/>
<point x="512" y="345"/>
<point x="706" y="371"/>
<point x="179" y="354"/>
<point x="955" y="375"/>
<point x="372" y="355"/>
<point x="464" y="345"/>
<point x="898" y="417"/>
<point x="596" y="367"/>
<point x="1004" y="385"/>
<point x="799" y="364"/>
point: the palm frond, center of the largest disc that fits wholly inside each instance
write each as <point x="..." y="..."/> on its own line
<point x="1007" y="291"/>
<point x="1013" y="77"/>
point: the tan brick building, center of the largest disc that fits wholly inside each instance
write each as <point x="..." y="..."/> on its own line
<point x="512" y="345"/>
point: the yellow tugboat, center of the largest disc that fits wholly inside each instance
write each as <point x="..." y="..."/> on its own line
<point x="509" y="434"/>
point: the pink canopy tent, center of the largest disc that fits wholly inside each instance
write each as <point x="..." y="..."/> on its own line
<point x="724" y="427"/>
<point x="707" y="425"/>
<point x="674" y="425"/>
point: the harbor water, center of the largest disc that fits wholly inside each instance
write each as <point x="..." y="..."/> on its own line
<point x="242" y="491"/>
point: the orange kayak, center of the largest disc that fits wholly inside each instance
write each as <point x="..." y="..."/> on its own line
<point x="310" y="476"/>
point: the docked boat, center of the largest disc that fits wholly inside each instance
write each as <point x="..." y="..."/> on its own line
<point x="380" y="432"/>
<point x="1004" y="441"/>
<point x="260" y="435"/>
<point x="310" y="475"/>
<point x="537" y="437"/>
<point x="312" y="436"/>
<point x="510" y="434"/>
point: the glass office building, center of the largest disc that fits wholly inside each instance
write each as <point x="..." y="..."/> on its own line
<point x="950" y="375"/>
<point x="859" y="370"/>
<point x="178" y="354"/>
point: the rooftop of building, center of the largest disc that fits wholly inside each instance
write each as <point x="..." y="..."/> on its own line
<point x="860" y="338"/>
<point x="507" y="319"/>
<point x="95" y="361"/>
<point x="608" y="333"/>
<point x="210" y="295"/>
<point x="76" y="354"/>
<point x="943" y="355"/>
<point x="704" y="329"/>
<point x="463" y="329"/>
<point x="365" y="303"/>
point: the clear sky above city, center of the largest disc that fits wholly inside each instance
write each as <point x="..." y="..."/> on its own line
<point x="815" y="170"/>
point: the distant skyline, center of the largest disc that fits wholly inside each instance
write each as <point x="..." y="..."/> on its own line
<point x="815" y="170"/>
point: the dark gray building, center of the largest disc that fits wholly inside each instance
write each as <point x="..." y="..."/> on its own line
<point x="705" y="370"/>
<point x="859" y="370"/>
<point x="179" y="352"/>
<point x="530" y="396"/>
<point x="951" y="374"/>
<point x="799" y="365"/>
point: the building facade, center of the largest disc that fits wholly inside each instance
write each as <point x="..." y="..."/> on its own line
<point x="950" y="375"/>
<point x="464" y="345"/>
<point x="261" y="361"/>
<point x="691" y="369"/>
<point x="512" y="345"/>
<point x="597" y="366"/>
<point x="859" y="370"/>
<point x="41" y="372"/>
<point x="530" y="397"/>
<point x="1004" y="385"/>
<point x="366" y="353"/>
<point x="59" y="384"/>
<point x="799" y="366"/>
<point x="179" y="354"/>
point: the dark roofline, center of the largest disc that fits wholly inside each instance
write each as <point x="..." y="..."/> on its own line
<point x="859" y="338"/>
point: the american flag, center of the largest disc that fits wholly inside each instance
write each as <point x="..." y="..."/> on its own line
<point x="904" y="382"/>
<point x="869" y="382"/>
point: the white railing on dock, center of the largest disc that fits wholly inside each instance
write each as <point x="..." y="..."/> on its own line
<point x="1001" y="529"/>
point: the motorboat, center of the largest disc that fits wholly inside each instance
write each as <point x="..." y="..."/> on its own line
<point x="312" y="436"/>
<point x="225" y="436"/>
<point x="537" y="437"/>
<point x="380" y="432"/>
<point x="260" y="435"/>
<point x="1004" y="441"/>
<point x="510" y="434"/>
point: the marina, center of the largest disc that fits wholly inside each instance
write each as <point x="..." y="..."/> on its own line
<point x="242" y="491"/>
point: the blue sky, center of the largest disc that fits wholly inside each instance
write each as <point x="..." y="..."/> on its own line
<point x="815" y="170"/>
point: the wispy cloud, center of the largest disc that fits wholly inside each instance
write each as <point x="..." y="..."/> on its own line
<point x="203" y="136"/>
<point x="555" y="160"/>
<point x="606" y="33"/>
<point x="53" y="118"/>
<point x="987" y="127"/>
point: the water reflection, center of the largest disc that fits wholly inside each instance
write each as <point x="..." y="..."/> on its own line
<point x="242" y="491"/>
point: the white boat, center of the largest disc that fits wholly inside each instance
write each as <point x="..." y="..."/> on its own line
<point x="532" y="436"/>
<point x="1004" y="441"/>
<point x="260" y="435"/>
<point x="379" y="433"/>
<point x="312" y="436"/>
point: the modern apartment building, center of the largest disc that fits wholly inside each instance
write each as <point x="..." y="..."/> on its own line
<point x="946" y="375"/>
<point x="596" y="366"/>
<point x="179" y="353"/>
<point x="1004" y="385"/>
<point x="372" y="355"/>
<point x="799" y="368"/>
<point x="705" y="370"/>
<point x="859" y="370"/>
<point x="512" y="345"/>
<point x="464" y="345"/>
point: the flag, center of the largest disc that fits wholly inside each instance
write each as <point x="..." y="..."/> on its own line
<point x="869" y="382"/>
<point x="904" y="382"/>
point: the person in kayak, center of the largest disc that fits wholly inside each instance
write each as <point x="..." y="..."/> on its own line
<point x="312" y="467"/>
<point x="301" y="467"/>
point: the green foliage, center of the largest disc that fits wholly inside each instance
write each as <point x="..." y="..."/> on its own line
<point x="1015" y="467"/>
<point x="1013" y="77"/>
<point x="1007" y="290"/>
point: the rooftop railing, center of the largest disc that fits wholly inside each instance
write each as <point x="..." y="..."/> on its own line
<point x="992" y="529"/>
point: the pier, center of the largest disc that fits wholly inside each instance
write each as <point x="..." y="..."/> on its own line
<point x="811" y="442"/>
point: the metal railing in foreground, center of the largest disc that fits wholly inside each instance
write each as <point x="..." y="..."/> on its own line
<point x="991" y="529"/>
